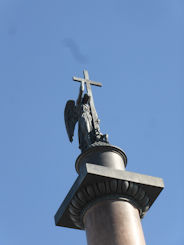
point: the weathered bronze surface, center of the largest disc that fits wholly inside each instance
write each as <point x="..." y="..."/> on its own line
<point x="113" y="222"/>
<point x="85" y="113"/>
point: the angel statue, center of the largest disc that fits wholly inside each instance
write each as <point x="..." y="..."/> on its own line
<point x="83" y="112"/>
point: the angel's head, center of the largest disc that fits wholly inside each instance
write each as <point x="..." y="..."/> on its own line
<point x="85" y="99"/>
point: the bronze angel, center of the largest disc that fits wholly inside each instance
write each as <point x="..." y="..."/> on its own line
<point x="83" y="112"/>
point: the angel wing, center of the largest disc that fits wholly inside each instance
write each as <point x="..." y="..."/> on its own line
<point x="71" y="117"/>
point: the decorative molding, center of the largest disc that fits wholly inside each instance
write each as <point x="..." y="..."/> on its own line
<point x="109" y="190"/>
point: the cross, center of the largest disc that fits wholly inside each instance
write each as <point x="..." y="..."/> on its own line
<point x="89" y="91"/>
<point x="86" y="79"/>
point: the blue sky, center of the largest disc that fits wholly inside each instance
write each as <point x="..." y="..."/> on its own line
<point x="135" y="49"/>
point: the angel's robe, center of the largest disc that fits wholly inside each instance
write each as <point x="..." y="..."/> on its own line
<point x="85" y="126"/>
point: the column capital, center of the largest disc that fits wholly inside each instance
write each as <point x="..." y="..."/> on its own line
<point x="114" y="189"/>
<point x="96" y="183"/>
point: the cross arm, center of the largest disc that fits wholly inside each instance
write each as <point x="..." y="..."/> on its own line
<point x="77" y="79"/>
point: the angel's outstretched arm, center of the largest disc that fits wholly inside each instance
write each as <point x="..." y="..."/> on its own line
<point x="81" y="90"/>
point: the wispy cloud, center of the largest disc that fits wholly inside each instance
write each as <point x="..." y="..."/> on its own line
<point x="75" y="50"/>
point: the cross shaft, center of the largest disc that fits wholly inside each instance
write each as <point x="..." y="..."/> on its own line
<point x="89" y="91"/>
